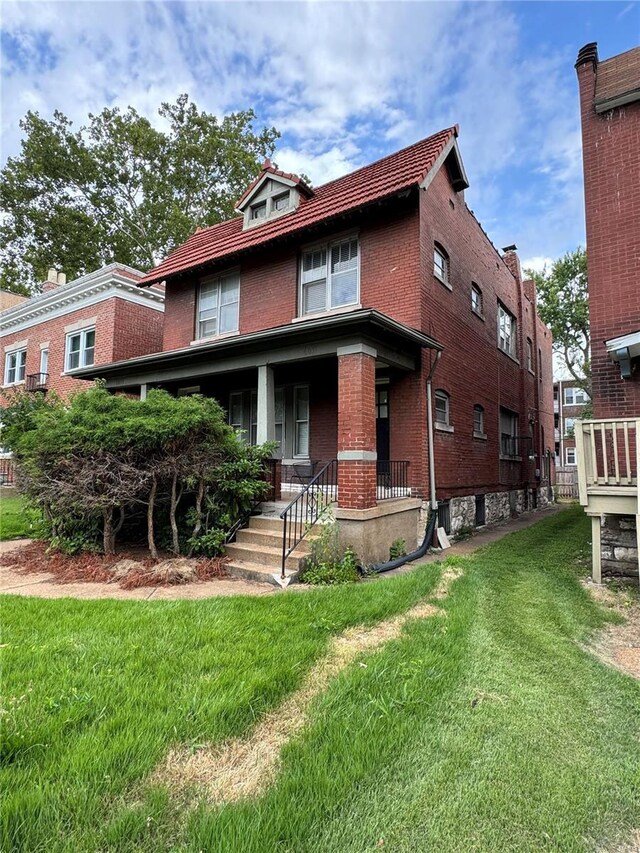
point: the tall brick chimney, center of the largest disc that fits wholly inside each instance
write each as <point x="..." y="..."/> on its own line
<point x="511" y="259"/>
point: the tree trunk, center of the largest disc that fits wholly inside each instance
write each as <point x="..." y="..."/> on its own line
<point x="118" y="526"/>
<point x="108" y="535"/>
<point x="199" y="498"/>
<point x="153" y="551"/>
<point x="172" y="513"/>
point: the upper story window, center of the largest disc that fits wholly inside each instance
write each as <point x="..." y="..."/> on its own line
<point x="529" y="355"/>
<point x="443" y="409"/>
<point x="80" y="349"/>
<point x="570" y="426"/>
<point x="281" y="202"/>
<point x="441" y="264"/>
<point x="15" y="366"/>
<point x="259" y="211"/>
<point x="540" y="365"/>
<point x="330" y="276"/>
<point x="476" y="299"/>
<point x="506" y="331"/>
<point x="478" y="421"/>
<point x="44" y="361"/>
<point x="218" y="305"/>
<point x="575" y="397"/>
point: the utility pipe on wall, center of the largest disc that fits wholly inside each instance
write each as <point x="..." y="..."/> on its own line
<point x="432" y="460"/>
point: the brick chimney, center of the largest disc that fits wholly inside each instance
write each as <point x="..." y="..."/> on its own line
<point x="54" y="279"/>
<point x="511" y="259"/>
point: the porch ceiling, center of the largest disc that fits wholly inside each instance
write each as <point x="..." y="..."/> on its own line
<point x="396" y="345"/>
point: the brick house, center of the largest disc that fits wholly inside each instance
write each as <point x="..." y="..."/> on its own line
<point x="569" y="403"/>
<point x="608" y="447"/>
<point x="326" y="318"/>
<point x="101" y="317"/>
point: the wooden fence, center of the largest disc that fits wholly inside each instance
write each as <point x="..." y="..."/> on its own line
<point x="567" y="482"/>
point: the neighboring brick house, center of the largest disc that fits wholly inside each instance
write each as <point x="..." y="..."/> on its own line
<point x="101" y="317"/>
<point x="569" y="403"/>
<point x="609" y="461"/>
<point x="318" y="317"/>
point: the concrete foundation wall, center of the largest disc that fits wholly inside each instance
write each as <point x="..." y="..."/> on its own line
<point x="370" y="532"/>
<point x="619" y="546"/>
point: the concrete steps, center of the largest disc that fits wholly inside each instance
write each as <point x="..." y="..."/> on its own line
<point x="257" y="552"/>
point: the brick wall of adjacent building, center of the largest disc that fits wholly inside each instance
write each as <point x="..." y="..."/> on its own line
<point x="611" y="157"/>
<point x="123" y="330"/>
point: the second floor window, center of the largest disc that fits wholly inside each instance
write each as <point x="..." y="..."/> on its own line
<point x="330" y="277"/>
<point x="80" y="349"/>
<point x="476" y="299"/>
<point x="44" y="361"/>
<point x="506" y="331"/>
<point x="218" y="306"/>
<point x="440" y="263"/>
<point x="15" y="366"/>
<point x="478" y="420"/>
<point x="574" y="397"/>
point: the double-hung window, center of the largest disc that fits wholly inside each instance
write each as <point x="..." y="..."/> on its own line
<point x="508" y="433"/>
<point x="44" y="362"/>
<point x="442" y="409"/>
<point x="80" y="349"/>
<point x="574" y="397"/>
<point x="15" y="366"/>
<point x="441" y="267"/>
<point x="478" y="420"/>
<point x="218" y="305"/>
<point x="506" y="331"/>
<point x="476" y="299"/>
<point x="529" y="355"/>
<point x="330" y="276"/>
<point x="301" y="417"/>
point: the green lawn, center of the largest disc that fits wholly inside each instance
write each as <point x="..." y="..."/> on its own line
<point x="485" y="730"/>
<point x="16" y="522"/>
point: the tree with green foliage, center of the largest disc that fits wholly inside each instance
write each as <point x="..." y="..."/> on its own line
<point x="563" y="304"/>
<point x="119" y="188"/>
<point x="91" y="462"/>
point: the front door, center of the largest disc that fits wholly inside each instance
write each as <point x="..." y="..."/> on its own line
<point x="382" y="423"/>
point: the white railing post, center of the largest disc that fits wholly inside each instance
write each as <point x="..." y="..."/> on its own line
<point x="582" y="463"/>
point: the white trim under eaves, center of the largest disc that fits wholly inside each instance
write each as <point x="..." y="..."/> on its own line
<point x="75" y="299"/>
<point x="452" y="144"/>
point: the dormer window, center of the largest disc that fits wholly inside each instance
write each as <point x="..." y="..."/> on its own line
<point x="272" y="194"/>
<point x="259" y="211"/>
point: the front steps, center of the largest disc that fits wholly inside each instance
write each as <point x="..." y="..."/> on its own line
<point x="257" y="552"/>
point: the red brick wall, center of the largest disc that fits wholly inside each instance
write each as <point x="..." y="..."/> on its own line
<point x="611" y="159"/>
<point x="135" y="326"/>
<point x="356" y="429"/>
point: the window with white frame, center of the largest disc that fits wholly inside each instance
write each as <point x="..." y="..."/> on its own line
<point x="476" y="299"/>
<point x="569" y="426"/>
<point x="301" y="421"/>
<point x="15" y="366"/>
<point x="506" y="331"/>
<point x="236" y="419"/>
<point x="443" y="409"/>
<point x="80" y="349"/>
<point x="508" y="433"/>
<point x="44" y="361"/>
<point x="478" y="421"/>
<point x="281" y="202"/>
<point x="330" y="276"/>
<point x="575" y="397"/>
<point x="218" y="305"/>
<point x="441" y="266"/>
<point x="570" y="455"/>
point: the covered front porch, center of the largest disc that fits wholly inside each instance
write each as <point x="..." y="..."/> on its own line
<point x="339" y="397"/>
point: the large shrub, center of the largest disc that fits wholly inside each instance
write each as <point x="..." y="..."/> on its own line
<point x="90" y="462"/>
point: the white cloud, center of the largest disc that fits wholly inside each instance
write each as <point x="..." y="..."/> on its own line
<point x="345" y="83"/>
<point x="538" y="263"/>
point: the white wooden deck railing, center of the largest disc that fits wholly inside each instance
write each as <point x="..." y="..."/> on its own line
<point x="608" y="457"/>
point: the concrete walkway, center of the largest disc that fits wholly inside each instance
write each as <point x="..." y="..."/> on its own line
<point x="43" y="584"/>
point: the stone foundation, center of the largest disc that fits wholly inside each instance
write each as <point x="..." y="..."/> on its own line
<point x="619" y="546"/>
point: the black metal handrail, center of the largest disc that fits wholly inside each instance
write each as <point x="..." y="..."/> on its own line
<point x="392" y="478"/>
<point x="37" y="381"/>
<point x="306" y="509"/>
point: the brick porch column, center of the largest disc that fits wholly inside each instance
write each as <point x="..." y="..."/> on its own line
<point x="356" y="426"/>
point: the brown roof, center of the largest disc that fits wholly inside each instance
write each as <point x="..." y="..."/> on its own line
<point x="9" y="299"/>
<point x="618" y="76"/>
<point x="268" y="169"/>
<point x="384" y="178"/>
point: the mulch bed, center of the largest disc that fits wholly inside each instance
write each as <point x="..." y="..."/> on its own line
<point x="99" y="568"/>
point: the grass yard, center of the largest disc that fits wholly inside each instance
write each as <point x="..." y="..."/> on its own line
<point x="488" y="729"/>
<point x="16" y="522"/>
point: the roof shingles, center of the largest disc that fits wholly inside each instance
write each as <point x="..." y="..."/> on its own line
<point x="379" y="180"/>
<point x="618" y="76"/>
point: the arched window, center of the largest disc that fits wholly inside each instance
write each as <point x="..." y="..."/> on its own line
<point x="441" y="268"/>
<point x="478" y="421"/>
<point x="442" y="409"/>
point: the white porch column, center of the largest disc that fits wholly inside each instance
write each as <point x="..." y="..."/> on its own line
<point x="266" y="427"/>
<point x="143" y="391"/>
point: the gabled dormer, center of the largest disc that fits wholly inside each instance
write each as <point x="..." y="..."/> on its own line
<point x="271" y="195"/>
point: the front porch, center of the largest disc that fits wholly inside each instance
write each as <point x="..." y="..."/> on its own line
<point x="608" y="456"/>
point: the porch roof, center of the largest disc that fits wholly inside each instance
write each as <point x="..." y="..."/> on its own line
<point x="396" y="345"/>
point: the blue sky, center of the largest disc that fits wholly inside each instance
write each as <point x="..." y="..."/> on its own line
<point x="345" y="83"/>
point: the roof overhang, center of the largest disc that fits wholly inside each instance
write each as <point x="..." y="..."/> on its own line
<point x="623" y="349"/>
<point x="450" y="155"/>
<point x="603" y="105"/>
<point x="396" y="345"/>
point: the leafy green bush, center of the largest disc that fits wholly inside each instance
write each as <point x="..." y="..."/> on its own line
<point x="327" y="563"/>
<point x="398" y="549"/>
<point x="100" y="458"/>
